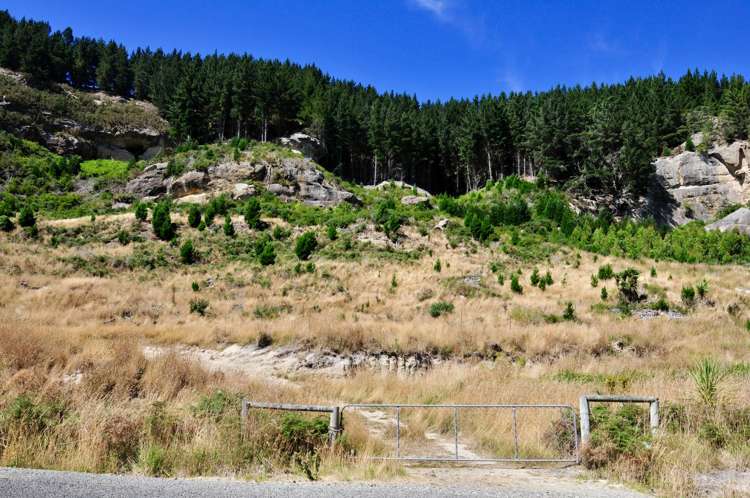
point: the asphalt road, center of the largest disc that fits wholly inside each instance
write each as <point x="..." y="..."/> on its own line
<point x="26" y="483"/>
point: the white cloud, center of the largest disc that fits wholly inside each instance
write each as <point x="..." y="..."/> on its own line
<point x="436" y="7"/>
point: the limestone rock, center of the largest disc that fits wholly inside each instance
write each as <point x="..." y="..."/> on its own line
<point x="306" y="145"/>
<point x="193" y="199"/>
<point x="414" y="200"/>
<point x="399" y="184"/>
<point x="242" y="191"/>
<point x="738" y="220"/>
<point x="150" y="183"/>
<point x="189" y="183"/>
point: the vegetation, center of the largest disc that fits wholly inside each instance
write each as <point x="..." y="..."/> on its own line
<point x="305" y="245"/>
<point x="161" y="221"/>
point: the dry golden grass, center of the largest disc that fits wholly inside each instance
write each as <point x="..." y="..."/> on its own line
<point x="57" y="321"/>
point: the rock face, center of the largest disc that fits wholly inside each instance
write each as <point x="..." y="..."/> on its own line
<point x="693" y="186"/>
<point x="399" y="184"/>
<point x="288" y="178"/>
<point x="91" y="125"/>
<point x="415" y="200"/>
<point x="738" y="220"/>
<point x="306" y="145"/>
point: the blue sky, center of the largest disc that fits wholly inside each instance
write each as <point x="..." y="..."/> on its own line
<point x="433" y="48"/>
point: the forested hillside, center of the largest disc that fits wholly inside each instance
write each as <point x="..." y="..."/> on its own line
<point x="599" y="138"/>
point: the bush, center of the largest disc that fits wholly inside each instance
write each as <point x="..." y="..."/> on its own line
<point x="195" y="286"/>
<point x="305" y="245"/>
<point x="660" y="305"/>
<point x="437" y="267"/>
<point x="688" y="295"/>
<point x="123" y="237"/>
<point x="194" y="216"/>
<point x="198" y="306"/>
<point x="228" y="226"/>
<point x="514" y="285"/>
<point x="603" y="294"/>
<point x="534" y="279"/>
<point x="141" y="211"/>
<point x="187" y="253"/>
<point x="6" y="224"/>
<point x="252" y="213"/>
<point x="702" y="289"/>
<point x="267" y="255"/>
<point x="605" y="272"/>
<point x="162" y="222"/>
<point x="689" y="145"/>
<point x="440" y="308"/>
<point x="332" y="232"/>
<point x="26" y="217"/>
<point x="569" y="313"/>
<point x="627" y="285"/>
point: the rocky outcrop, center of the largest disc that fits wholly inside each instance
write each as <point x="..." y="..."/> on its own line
<point x="415" y="200"/>
<point x="399" y="184"/>
<point x="693" y="186"/>
<point x="90" y="125"/>
<point x="288" y="178"/>
<point x="306" y="145"/>
<point x="738" y="220"/>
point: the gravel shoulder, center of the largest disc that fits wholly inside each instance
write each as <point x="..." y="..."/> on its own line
<point x="432" y="483"/>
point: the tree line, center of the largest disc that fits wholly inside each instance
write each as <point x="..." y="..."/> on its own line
<point x="599" y="138"/>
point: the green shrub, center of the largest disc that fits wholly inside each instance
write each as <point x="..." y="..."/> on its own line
<point x="514" y="285"/>
<point x="689" y="145"/>
<point x="279" y="233"/>
<point x="198" y="306"/>
<point x="653" y="272"/>
<point x="660" y="305"/>
<point x="195" y="286"/>
<point x="153" y="460"/>
<point x="688" y="295"/>
<point x="707" y="377"/>
<point x="123" y="237"/>
<point x="305" y="245"/>
<point x="534" y="279"/>
<point x="440" y="308"/>
<point x="702" y="288"/>
<point x="627" y="285"/>
<point x="501" y="279"/>
<point x="547" y="279"/>
<point x="26" y="217"/>
<point x="267" y="255"/>
<point x="605" y="272"/>
<point x="252" y="213"/>
<point x="437" y="267"/>
<point x="228" y="226"/>
<point x="269" y="312"/>
<point x="141" y="211"/>
<point x="162" y="222"/>
<point x="594" y="281"/>
<point x="332" y="232"/>
<point x="187" y="253"/>
<point x="6" y="224"/>
<point x="569" y="313"/>
<point x="194" y="216"/>
<point x="603" y="294"/>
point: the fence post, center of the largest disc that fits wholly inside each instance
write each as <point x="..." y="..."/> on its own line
<point x="334" y="426"/>
<point x="654" y="416"/>
<point x="243" y="418"/>
<point x="585" y="423"/>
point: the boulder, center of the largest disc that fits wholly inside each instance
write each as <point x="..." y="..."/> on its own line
<point x="415" y="200"/>
<point x="150" y="183"/>
<point x="306" y="145"/>
<point x="193" y="199"/>
<point x="442" y="224"/>
<point x="738" y="220"/>
<point x="242" y="191"/>
<point x="399" y="184"/>
<point x="108" y="151"/>
<point x="280" y="190"/>
<point x="188" y="183"/>
<point x="735" y="156"/>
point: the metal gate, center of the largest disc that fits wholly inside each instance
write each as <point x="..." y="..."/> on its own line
<point x="515" y="410"/>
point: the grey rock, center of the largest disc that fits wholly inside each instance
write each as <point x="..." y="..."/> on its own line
<point x="306" y="145"/>
<point x="414" y="200"/>
<point x="280" y="190"/>
<point x="442" y="224"/>
<point x="738" y="220"/>
<point x="399" y="184"/>
<point x="108" y="151"/>
<point x="150" y="183"/>
<point x="189" y="183"/>
<point x="241" y="191"/>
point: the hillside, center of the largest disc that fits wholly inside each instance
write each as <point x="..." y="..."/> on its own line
<point x="178" y="232"/>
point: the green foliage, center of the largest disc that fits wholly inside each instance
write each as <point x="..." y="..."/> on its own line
<point x="194" y="216"/>
<point x="605" y="272"/>
<point x="141" y="211"/>
<point x="26" y="217"/>
<point x="388" y="217"/>
<point x="267" y="255"/>
<point x="569" y="313"/>
<point x="688" y="295"/>
<point x="653" y="272"/>
<point x="440" y="308"/>
<point x="252" y="213"/>
<point x="604" y="295"/>
<point x="305" y="245"/>
<point x="514" y="285"/>
<point x="689" y="145"/>
<point x="161" y="221"/>
<point x="534" y="278"/>
<point x="187" y="253"/>
<point x="702" y="289"/>
<point x="624" y="430"/>
<point x="707" y="377"/>
<point x="199" y="306"/>
<point x="594" y="281"/>
<point x="627" y="285"/>
<point x="105" y="168"/>
<point x="6" y="224"/>
<point x="123" y="237"/>
<point x="437" y="267"/>
<point x="269" y="312"/>
<point x="195" y="286"/>
<point x="228" y="226"/>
